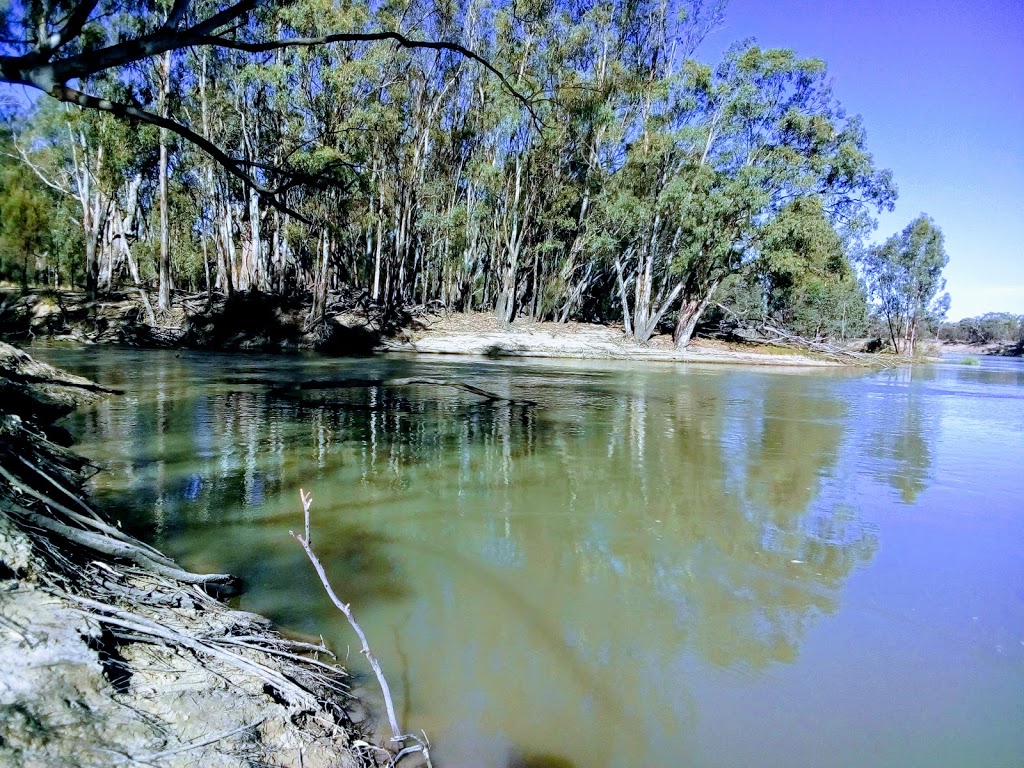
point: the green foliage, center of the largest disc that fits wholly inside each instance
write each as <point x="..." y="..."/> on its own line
<point x="25" y="209"/>
<point x="904" y="277"/>
<point x="986" y="329"/>
<point x="809" y="283"/>
<point x="640" y="180"/>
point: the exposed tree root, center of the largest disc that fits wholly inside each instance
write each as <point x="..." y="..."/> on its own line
<point x="107" y="645"/>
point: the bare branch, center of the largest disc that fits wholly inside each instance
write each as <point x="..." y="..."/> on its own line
<point x="396" y="731"/>
<point x="23" y="156"/>
<point x="364" y="37"/>
<point x="36" y="67"/>
<point x="72" y="96"/>
<point x="120" y="549"/>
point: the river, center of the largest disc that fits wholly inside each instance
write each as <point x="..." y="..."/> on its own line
<point x="648" y="565"/>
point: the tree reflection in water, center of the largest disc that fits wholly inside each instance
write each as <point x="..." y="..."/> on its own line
<point x="564" y="566"/>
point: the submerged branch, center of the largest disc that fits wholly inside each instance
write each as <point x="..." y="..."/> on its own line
<point x="389" y="704"/>
<point x="488" y="396"/>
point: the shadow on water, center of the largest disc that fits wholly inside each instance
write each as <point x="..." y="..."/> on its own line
<point x="548" y="634"/>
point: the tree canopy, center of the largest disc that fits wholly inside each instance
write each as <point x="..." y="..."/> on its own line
<point x="905" y="279"/>
<point x="554" y="160"/>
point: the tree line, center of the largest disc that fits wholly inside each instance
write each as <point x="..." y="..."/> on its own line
<point x="551" y="160"/>
<point x="992" y="327"/>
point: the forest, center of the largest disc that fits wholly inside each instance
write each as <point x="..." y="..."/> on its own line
<point x="544" y="160"/>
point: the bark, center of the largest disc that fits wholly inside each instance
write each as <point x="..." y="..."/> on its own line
<point x="164" y="296"/>
<point x="696" y="299"/>
<point x="620" y="281"/>
<point x="514" y="236"/>
<point x="322" y="281"/>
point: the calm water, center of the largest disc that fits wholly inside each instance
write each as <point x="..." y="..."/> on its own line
<point x="652" y="566"/>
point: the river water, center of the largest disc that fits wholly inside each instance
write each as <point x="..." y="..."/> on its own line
<point x="650" y="565"/>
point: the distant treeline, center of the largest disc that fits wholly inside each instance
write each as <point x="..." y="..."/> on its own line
<point x="612" y="176"/>
<point x="985" y="329"/>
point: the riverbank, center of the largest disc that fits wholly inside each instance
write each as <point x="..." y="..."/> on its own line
<point x="481" y="334"/>
<point x="991" y="349"/>
<point x="257" y="323"/>
<point x="110" y="653"/>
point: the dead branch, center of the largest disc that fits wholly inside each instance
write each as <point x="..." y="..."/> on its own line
<point x="92" y="521"/>
<point x="765" y="332"/>
<point x="397" y="736"/>
<point x="201" y="743"/>
<point x="286" y="391"/>
<point x="116" y="548"/>
<point x="116" y="617"/>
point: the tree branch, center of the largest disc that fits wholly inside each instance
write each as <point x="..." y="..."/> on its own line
<point x="127" y="111"/>
<point x="72" y="28"/>
<point x="366" y="37"/>
<point x="178" y="12"/>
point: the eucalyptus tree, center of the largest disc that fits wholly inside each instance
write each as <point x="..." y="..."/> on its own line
<point x="102" y="46"/>
<point x="905" y="279"/>
<point x="803" y="281"/>
<point x="988" y="328"/>
<point x="561" y="160"/>
<point x="766" y="130"/>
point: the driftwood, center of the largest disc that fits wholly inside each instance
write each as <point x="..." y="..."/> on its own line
<point x="288" y="391"/>
<point x="780" y="337"/>
<point x="764" y="332"/>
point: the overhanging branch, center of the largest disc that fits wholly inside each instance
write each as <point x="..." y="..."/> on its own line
<point x="366" y="37"/>
<point x="233" y="166"/>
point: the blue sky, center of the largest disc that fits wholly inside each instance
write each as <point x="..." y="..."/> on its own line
<point x="940" y="85"/>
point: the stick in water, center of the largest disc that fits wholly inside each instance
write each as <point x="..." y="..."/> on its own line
<point x="345" y="608"/>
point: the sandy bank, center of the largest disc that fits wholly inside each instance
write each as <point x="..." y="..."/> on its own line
<point x="991" y="349"/>
<point x="483" y="335"/>
<point x="262" y="323"/>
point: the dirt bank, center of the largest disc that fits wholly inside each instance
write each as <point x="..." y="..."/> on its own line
<point x="110" y="653"/>
<point x="352" y="326"/>
<point x="249" y="321"/>
<point x="482" y="334"/>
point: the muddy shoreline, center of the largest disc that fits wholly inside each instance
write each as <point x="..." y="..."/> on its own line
<point x="110" y="653"/>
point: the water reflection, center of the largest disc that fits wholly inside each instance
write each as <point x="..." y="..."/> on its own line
<point x="902" y="433"/>
<point x="558" y="570"/>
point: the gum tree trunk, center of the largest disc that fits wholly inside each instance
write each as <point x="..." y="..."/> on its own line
<point x="164" y="297"/>
<point x="695" y="300"/>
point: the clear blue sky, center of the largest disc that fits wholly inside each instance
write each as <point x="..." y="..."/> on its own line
<point x="940" y="85"/>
